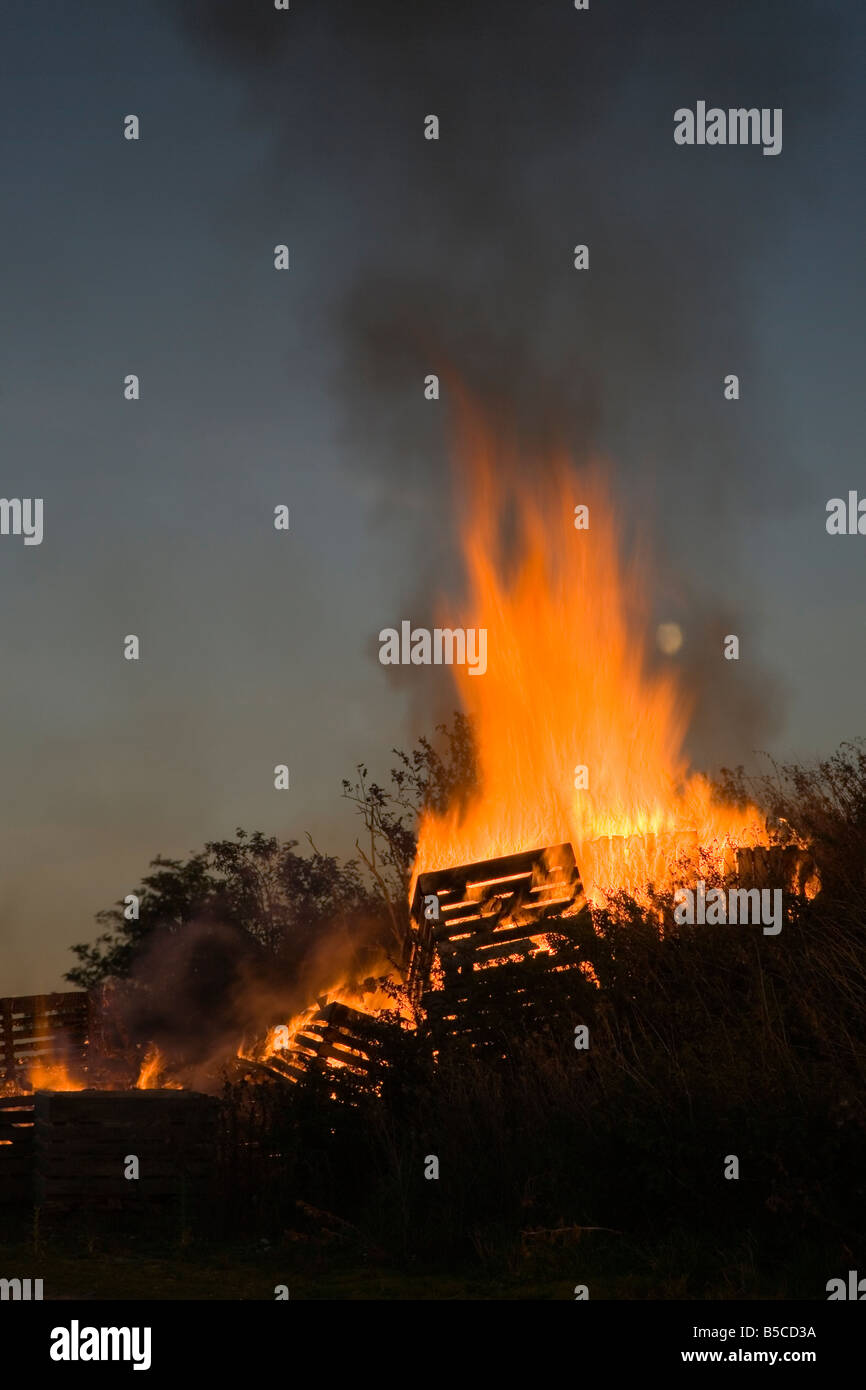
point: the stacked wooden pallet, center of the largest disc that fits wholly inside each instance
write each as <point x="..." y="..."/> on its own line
<point x="84" y="1140"/>
<point x="485" y="949"/>
<point x="43" y="1028"/>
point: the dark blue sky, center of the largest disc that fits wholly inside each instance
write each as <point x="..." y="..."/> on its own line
<point x="258" y="388"/>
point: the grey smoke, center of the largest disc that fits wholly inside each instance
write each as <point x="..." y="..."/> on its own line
<point x="557" y="128"/>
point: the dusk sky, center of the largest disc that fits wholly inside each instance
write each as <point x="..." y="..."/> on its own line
<point x="305" y="387"/>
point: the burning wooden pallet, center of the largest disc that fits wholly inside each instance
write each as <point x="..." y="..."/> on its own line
<point x="481" y="929"/>
<point x="43" y="1029"/>
<point x="788" y="867"/>
<point x="491" y="1009"/>
<point x="334" y="1038"/>
<point x="474" y="914"/>
<point x="484" y="929"/>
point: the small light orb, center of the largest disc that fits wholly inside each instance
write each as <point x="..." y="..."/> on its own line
<point x="669" y="637"/>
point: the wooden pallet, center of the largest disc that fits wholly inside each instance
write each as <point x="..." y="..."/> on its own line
<point x="82" y="1140"/>
<point x="49" y="1028"/>
<point x="490" y="910"/>
<point x="488" y="955"/>
<point x="776" y="866"/>
<point x="16" y="1148"/>
<point x="490" y="1008"/>
<point x="337" y="1038"/>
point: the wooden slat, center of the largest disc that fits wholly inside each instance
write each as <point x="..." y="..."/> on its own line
<point x="495" y="977"/>
<point x="63" y="999"/>
<point x="483" y="940"/>
<point x="491" y="871"/>
<point x="111" y="1143"/>
<point x="312" y="1033"/>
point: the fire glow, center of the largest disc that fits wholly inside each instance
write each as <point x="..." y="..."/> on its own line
<point x="52" y="1076"/>
<point x="569" y="686"/>
<point x="291" y="1040"/>
<point x="150" y="1077"/>
<point x="579" y="744"/>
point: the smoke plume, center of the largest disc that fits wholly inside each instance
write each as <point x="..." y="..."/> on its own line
<point x="556" y="129"/>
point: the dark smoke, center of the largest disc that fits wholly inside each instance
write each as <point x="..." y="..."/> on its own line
<point x="198" y="993"/>
<point x="556" y="128"/>
<point x="185" y="993"/>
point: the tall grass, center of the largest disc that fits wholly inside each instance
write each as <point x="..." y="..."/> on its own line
<point x="705" y="1042"/>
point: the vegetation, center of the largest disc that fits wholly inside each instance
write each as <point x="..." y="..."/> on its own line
<point x="558" y="1164"/>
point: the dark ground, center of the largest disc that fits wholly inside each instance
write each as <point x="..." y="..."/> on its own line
<point x="81" y="1258"/>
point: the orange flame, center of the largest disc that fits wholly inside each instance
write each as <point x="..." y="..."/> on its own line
<point x="150" y="1077"/>
<point x="568" y="685"/>
<point x="52" y="1076"/>
<point x="284" y="1039"/>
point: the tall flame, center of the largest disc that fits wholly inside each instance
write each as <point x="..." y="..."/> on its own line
<point x="568" y="685"/>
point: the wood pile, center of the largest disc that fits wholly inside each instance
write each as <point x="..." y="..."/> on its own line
<point x="336" y="1038"/>
<point x="49" y="1028"/>
<point x="82" y="1141"/>
<point x="486" y="955"/>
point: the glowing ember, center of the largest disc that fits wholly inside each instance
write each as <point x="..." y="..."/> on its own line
<point x="567" y="687"/>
